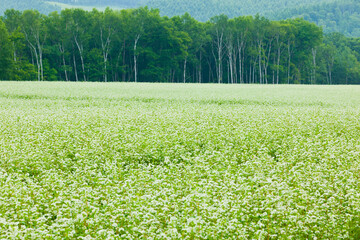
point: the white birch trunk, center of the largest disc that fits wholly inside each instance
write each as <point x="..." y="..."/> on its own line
<point x="105" y="45"/>
<point x="62" y="51"/>
<point x="219" y="54"/>
<point x="81" y="50"/>
<point x="267" y="61"/>
<point x="260" y="59"/>
<point x="289" y="61"/>
<point x="313" y="78"/>
<point x="278" y="59"/>
<point x="184" y="75"/>
<point x="75" y="67"/>
<point x="34" y="50"/>
<point x="135" y="57"/>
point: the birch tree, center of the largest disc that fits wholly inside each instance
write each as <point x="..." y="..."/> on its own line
<point x="35" y="36"/>
<point x="80" y="36"/>
<point x="242" y="28"/>
<point x="138" y="18"/>
<point x="107" y="30"/>
<point x="219" y="28"/>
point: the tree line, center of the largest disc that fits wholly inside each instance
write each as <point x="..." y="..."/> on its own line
<point x="140" y="45"/>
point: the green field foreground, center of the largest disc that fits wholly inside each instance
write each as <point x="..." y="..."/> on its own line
<point x="163" y="161"/>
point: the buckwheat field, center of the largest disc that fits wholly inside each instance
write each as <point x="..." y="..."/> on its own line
<point x="162" y="161"/>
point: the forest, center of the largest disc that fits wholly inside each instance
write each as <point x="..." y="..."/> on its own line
<point x="336" y="16"/>
<point x="332" y="15"/>
<point x="204" y="10"/>
<point x="140" y="45"/>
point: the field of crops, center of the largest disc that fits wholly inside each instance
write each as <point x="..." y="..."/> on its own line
<point x="162" y="161"/>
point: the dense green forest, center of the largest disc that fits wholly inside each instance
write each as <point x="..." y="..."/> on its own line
<point x="141" y="45"/>
<point x="333" y="15"/>
<point x="338" y="16"/>
<point x="204" y="10"/>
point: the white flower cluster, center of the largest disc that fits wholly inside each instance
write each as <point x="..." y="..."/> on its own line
<point x="152" y="161"/>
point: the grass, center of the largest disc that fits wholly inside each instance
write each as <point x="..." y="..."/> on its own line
<point x="163" y="161"/>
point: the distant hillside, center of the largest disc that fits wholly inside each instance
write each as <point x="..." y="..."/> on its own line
<point x="47" y="6"/>
<point x="102" y="3"/>
<point x="204" y="10"/>
<point x="27" y="4"/>
<point x="340" y="16"/>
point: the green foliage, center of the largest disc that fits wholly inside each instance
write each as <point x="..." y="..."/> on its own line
<point x="23" y="69"/>
<point x="6" y="62"/>
<point x="178" y="161"/>
<point x="141" y="45"/>
<point x="335" y="16"/>
<point x="204" y="10"/>
<point x="340" y="56"/>
<point x="332" y="15"/>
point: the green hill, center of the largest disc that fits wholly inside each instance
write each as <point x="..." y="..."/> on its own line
<point x="47" y="6"/>
<point x="27" y="4"/>
<point x="338" y="16"/>
<point x="204" y="10"/>
<point x="104" y="3"/>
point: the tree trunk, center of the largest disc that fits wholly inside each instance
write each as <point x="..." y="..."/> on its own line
<point x="41" y="59"/>
<point x="242" y="65"/>
<point x="200" y="68"/>
<point x="330" y="66"/>
<point x="241" y="53"/>
<point x="231" y="62"/>
<point x="62" y="51"/>
<point x="235" y="70"/>
<point x="184" y="75"/>
<point x="278" y="60"/>
<point x="124" y="62"/>
<point x="267" y="61"/>
<point x="230" y="54"/>
<point x="250" y="74"/>
<point x="253" y="69"/>
<point x="219" y="54"/>
<point x="81" y="50"/>
<point x="289" y="62"/>
<point x="135" y="57"/>
<point x="260" y="59"/>
<point x="313" y="78"/>
<point x="75" y="67"/>
<point x="34" y="50"/>
<point x="14" y="47"/>
<point x="105" y="45"/>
